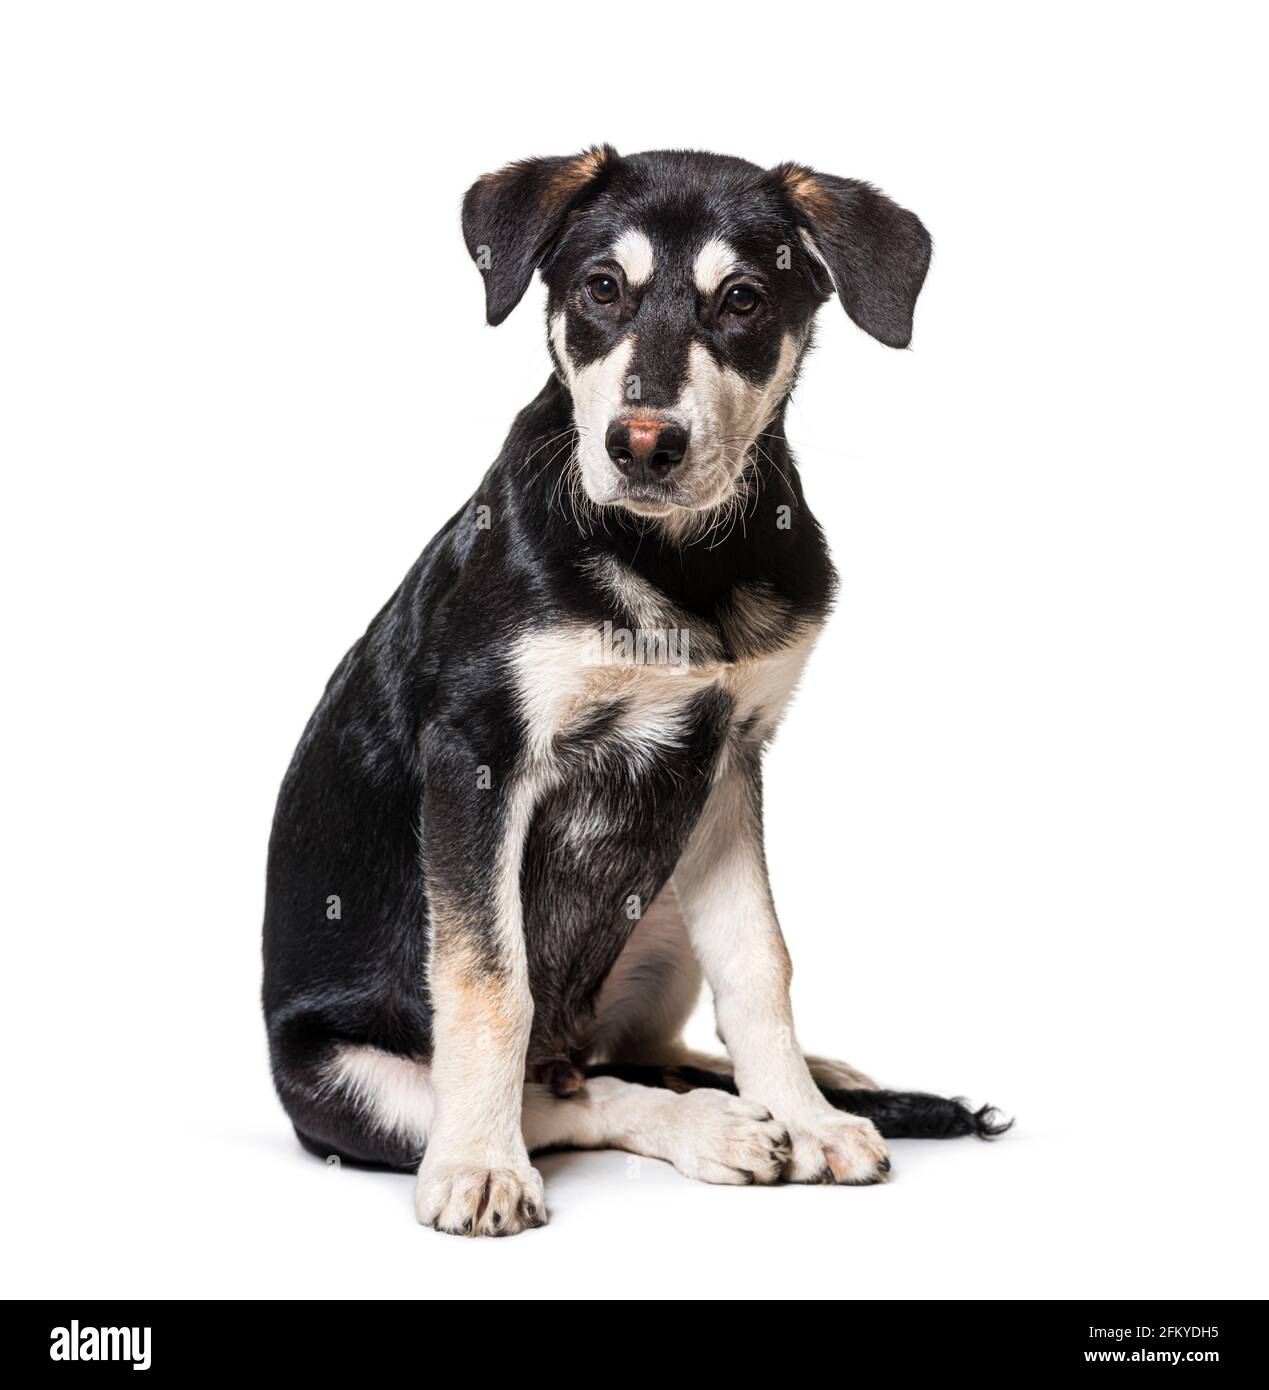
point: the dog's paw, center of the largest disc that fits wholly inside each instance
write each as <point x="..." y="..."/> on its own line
<point x="719" y="1138"/>
<point x="833" y="1147"/>
<point x="469" y="1200"/>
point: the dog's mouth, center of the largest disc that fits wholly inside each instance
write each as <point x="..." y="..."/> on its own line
<point x="702" y="483"/>
<point x="650" y="499"/>
<point x="665" y="499"/>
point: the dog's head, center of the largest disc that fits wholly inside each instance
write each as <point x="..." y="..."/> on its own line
<point x="681" y="290"/>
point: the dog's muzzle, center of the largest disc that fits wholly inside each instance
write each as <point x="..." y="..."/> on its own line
<point x="644" y="450"/>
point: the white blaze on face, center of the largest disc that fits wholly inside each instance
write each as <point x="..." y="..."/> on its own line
<point x="599" y="396"/>
<point x="724" y="414"/>
<point x="722" y="410"/>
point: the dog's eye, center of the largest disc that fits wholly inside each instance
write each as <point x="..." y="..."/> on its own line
<point x="740" y="299"/>
<point x="603" y="289"/>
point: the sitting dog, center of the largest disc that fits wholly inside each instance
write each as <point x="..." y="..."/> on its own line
<point x="526" y="816"/>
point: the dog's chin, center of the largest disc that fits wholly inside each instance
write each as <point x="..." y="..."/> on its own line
<point x="649" y="500"/>
<point x="659" y="499"/>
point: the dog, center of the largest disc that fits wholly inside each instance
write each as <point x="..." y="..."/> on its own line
<point x="525" y="820"/>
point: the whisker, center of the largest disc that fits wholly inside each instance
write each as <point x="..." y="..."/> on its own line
<point x="545" y="444"/>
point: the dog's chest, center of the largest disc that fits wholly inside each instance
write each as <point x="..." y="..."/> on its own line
<point x="592" y="694"/>
<point x="624" y="740"/>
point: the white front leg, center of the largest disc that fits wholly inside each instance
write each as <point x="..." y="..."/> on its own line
<point x="726" y="900"/>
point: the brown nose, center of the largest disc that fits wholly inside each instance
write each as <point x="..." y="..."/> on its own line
<point x="645" y="450"/>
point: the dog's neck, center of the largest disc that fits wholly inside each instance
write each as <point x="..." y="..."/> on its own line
<point x="766" y="536"/>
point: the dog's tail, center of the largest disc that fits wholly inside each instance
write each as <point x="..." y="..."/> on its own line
<point x="897" y="1114"/>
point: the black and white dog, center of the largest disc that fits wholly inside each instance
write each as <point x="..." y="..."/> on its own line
<point x="526" y="816"/>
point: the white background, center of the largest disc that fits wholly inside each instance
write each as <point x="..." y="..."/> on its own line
<point x="1017" y="817"/>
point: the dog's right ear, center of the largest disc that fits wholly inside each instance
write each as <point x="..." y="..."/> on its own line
<point x="512" y="218"/>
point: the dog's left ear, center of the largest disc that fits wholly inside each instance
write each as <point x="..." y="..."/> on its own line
<point x="512" y="218"/>
<point x="876" y="252"/>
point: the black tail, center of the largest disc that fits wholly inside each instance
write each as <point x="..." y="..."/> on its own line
<point x="897" y="1114"/>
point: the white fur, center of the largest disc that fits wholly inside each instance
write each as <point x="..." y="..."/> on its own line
<point x="394" y="1092"/>
<point x="707" y="1135"/>
<point x="633" y="253"/>
<point x="724" y="414"/>
<point x="714" y="262"/>
<point x="727" y="905"/>
<point x="599" y="397"/>
<point x="559" y="685"/>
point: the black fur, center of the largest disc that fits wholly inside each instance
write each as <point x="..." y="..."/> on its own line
<point x="381" y="807"/>
<point x="512" y="219"/>
<point x="877" y="253"/>
<point x="348" y="822"/>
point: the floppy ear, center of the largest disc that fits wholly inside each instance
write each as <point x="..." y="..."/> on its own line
<point x="876" y="252"/>
<point x="511" y="218"/>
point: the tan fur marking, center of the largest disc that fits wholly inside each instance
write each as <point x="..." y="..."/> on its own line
<point x="806" y="192"/>
<point x="472" y="999"/>
<point x="572" y="177"/>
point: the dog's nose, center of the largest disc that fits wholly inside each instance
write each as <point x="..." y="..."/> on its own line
<point x="646" y="451"/>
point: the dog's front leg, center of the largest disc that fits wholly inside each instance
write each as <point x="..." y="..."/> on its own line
<point x="727" y="905"/>
<point x="475" y="1178"/>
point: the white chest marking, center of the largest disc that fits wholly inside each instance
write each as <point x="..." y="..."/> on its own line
<point x="561" y="683"/>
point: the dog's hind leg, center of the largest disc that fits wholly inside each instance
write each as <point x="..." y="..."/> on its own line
<point x="651" y="991"/>
<point x="706" y="1134"/>
<point x="648" y="998"/>
<point x="896" y="1114"/>
<point x="354" y="1102"/>
<point x="372" y="1107"/>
